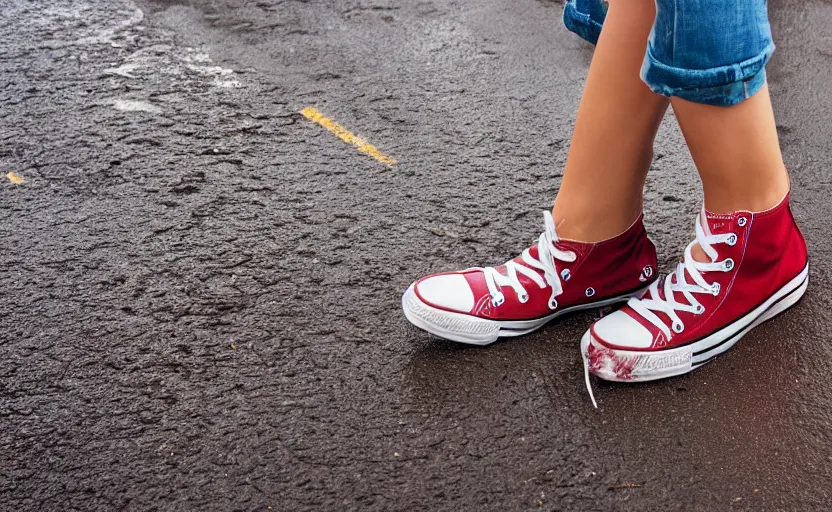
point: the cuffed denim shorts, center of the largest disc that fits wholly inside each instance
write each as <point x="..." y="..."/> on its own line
<point x="706" y="51"/>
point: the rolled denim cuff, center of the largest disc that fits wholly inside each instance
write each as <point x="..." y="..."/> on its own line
<point x="720" y="86"/>
<point x="581" y="23"/>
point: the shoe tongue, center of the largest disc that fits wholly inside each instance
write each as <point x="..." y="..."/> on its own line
<point x="535" y="253"/>
<point x="719" y="224"/>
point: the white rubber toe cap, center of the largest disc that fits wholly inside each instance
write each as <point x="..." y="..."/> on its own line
<point x="448" y="291"/>
<point x="622" y="330"/>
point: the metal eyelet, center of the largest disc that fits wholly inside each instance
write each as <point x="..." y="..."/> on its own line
<point x="678" y="328"/>
<point x="732" y="240"/>
<point x="565" y="274"/>
<point x="553" y="303"/>
<point x="590" y="291"/>
<point x="742" y="221"/>
<point x="699" y="309"/>
<point x="728" y="265"/>
<point x="715" y="288"/>
<point x="498" y="300"/>
<point x="524" y="298"/>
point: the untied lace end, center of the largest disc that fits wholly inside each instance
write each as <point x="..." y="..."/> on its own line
<point x="586" y="378"/>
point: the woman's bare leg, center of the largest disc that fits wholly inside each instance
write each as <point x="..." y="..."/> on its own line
<point x="612" y="144"/>
<point x="737" y="153"/>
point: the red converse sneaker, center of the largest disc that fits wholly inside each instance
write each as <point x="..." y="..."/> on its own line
<point x="758" y="268"/>
<point x="554" y="277"/>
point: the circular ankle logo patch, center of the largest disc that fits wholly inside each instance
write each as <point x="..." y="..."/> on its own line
<point x="590" y="292"/>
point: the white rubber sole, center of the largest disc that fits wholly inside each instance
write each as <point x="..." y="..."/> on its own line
<point x="634" y="366"/>
<point x="473" y="330"/>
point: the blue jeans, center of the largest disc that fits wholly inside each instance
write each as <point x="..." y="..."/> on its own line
<point x="706" y="51"/>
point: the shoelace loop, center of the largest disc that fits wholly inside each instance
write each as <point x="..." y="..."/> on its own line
<point x="547" y="253"/>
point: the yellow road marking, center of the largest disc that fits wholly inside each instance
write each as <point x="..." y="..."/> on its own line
<point x="342" y="133"/>
<point x="14" y="178"/>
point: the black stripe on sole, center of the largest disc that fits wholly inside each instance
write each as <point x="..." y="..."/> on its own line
<point x="741" y="332"/>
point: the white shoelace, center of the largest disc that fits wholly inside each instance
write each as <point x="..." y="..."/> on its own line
<point x="547" y="252"/>
<point x="669" y="305"/>
<point x="586" y="376"/>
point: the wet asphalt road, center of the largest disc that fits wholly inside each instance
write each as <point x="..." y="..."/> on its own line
<point x="200" y="299"/>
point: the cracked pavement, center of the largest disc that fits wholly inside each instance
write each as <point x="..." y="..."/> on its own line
<point x="199" y="308"/>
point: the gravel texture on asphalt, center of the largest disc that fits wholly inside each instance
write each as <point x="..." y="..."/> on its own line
<point x="199" y="308"/>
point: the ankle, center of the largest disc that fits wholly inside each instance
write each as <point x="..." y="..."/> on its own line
<point x="729" y="198"/>
<point x="593" y="225"/>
